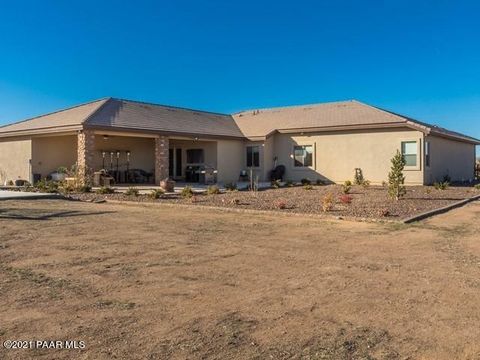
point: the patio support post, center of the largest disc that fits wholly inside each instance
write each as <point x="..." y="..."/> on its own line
<point x="85" y="149"/>
<point x="161" y="158"/>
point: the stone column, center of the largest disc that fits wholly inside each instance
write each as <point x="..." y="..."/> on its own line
<point x="161" y="158"/>
<point x="85" y="149"/>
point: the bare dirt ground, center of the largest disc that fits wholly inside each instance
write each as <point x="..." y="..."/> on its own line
<point x="372" y="202"/>
<point x="137" y="282"/>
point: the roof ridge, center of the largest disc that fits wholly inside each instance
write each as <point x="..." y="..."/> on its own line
<point x="273" y="108"/>
<point x="57" y="111"/>
<point x="170" y="106"/>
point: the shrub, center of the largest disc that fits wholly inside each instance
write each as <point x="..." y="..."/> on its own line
<point x="132" y="191"/>
<point x="84" y="189"/>
<point x="187" y="192"/>
<point x="289" y="183"/>
<point x="447" y="179"/>
<point x="396" y="179"/>
<point x="320" y="182"/>
<point x="384" y="184"/>
<point x="327" y="202"/>
<point x="346" y="187"/>
<point x="275" y="184"/>
<point x="384" y="213"/>
<point x="305" y="181"/>
<point x="105" y="190"/>
<point x="346" y="199"/>
<point x="10" y="183"/>
<point x="235" y="201"/>
<point x="443" y="185"/>
<point x="213" y="190"/>
<point x="366" y="184"/>
<point x="231" y="186"/>
<point x="157" y="193"/>
<point x="62" y="170"/>
<point x="47" y="186"/>
<point x="477" y="186"/>
<point x="280" y="204"/>
<point x="308" y="187"/>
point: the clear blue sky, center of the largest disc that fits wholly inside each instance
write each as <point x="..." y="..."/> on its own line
<point x="419" y="58"/>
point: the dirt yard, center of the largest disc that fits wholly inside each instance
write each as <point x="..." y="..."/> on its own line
<point x="138" y="282"/>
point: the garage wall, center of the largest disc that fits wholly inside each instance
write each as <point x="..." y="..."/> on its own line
<point x="450" y="157"/>
<point x="50" y="153"/>
<point x="337" y="154"/>
<point x="15" y="160"/>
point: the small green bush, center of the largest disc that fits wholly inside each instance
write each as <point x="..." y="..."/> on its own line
<point x="213" y="190"/>
<point x="346" y="187"/>
<point x="443" y="185"/>
<point x="305" y="181"/>
<point x="47" y="186"/>
<point x="275" y="184"/>
<point x="84" y="189"/>
<point x="320" y="182"/>
<point x="477" y="186"/>
<point x="105" y="190"/>
<point x="366" y="183"/>
<point x="308" y="187"/>
<point x="187" y="192"/>
<point x="231" y="186"/>
<point x="157" y="193"/>
<point x="289" y="183"/>
<point x="132" y="191"/>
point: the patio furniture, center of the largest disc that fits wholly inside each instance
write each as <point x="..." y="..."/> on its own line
<point x="139" y="176"/>
<point x="102" y="178"/>
<point x="277" y="173"/>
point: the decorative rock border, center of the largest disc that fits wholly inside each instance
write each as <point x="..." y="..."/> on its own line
<point x="441" y="210"/>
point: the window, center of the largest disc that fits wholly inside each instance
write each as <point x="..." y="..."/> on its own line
<point x="427" y="153"/>
<point x="303" y="155"/>
<point x="253" y="156"/>
<point x="195" y="156"/>
<point x="409" y="152"/>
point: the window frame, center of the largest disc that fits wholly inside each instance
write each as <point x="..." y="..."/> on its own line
<point x="252" y="165"/>
<point x="298" y="167"/>
<point x="428" y="154"/>
<point x="418" y="142"/>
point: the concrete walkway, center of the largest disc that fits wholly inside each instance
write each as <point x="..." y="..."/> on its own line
<point x="23" y="195"/>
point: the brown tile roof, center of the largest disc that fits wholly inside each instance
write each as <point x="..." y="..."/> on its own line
<point x="343" y="114"/>
<point x="139" y="116"/>
<point x="73" y="116"/>
<point x="126" y="114"/>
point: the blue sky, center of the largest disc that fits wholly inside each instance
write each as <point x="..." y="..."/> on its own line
<point x="419" y="58"/>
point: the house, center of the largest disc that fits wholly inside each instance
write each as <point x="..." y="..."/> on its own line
<point x="323" y="141"/>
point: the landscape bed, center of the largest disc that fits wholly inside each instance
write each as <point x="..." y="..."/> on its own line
<point x="370" y="202"/>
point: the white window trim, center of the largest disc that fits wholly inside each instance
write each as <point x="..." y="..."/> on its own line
<point x="314" y="155"/>
<point x="419" y="154"/>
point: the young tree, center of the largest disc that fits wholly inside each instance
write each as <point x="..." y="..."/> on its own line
<point x="396" y="179"/>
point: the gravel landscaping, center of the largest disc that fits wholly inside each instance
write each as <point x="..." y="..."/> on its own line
<point x="372" y="202"/>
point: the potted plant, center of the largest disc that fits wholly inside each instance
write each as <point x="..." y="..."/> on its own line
<point x="168" y="185"/>
<point x="60" y="174"/>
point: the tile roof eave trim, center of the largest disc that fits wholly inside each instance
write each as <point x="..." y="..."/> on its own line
<point x="460" y="138"/>
<point x="41" y="131"/>
<point x="162" y="132"/>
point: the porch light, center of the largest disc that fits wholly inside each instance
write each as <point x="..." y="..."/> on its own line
<point x="195" y="138"/>
<point x="118" y="154"/>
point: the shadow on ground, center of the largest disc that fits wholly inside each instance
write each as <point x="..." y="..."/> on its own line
<point x="44" y="214"/>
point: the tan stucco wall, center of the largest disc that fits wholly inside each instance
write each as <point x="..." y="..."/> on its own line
<point x="455" y="158"/>
<point x="336" y="155"/>
<point x="49" y="153"/>
<point x="15" y="159"/>
<point x="142" y="152"/>
<point x="230" y="160"/>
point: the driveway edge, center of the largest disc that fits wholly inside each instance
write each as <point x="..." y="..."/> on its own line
<point x="441" y="210"/>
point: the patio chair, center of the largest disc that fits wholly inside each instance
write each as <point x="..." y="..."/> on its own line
<point x="277" y="173"/>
